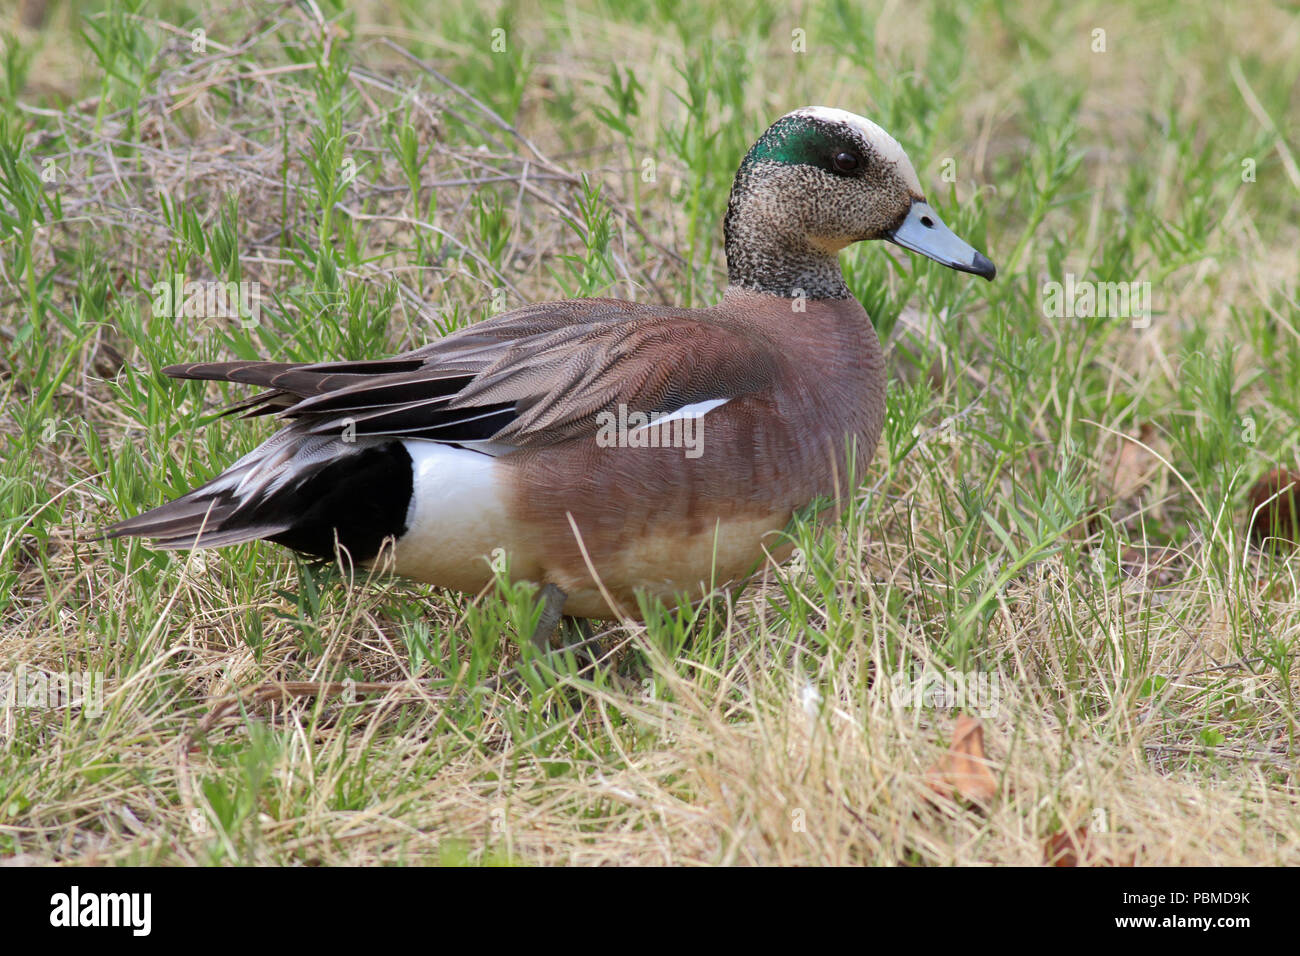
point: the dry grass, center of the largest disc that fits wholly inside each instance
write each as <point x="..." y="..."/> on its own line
<point x="1003" y="528"/>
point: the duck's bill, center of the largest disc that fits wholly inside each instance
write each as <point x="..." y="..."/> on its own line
<point x="924" y="232"/>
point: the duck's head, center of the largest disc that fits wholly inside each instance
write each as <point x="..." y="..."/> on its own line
<point x="817" y="180"/>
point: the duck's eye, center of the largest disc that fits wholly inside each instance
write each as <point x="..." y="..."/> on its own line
<point x="846" y="162"/>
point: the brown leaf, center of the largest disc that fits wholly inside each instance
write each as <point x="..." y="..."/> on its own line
<point x="1065" y="847"/>
<point x="1076" y="848"/>
<point x="1275" y="508"/>
<point x="964" y="769"/>
<point x="107" y="361"/>
<point x="1132" y="467"/>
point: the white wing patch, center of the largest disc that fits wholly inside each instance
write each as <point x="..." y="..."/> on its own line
<point x="694" y="410"/>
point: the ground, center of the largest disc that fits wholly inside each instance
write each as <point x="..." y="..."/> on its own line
<point x="1057" y="512"/>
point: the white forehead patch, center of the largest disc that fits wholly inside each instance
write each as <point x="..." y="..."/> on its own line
<point x="888" y="147"/>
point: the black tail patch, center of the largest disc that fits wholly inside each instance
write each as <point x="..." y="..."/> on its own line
<point x="361" y="499"/>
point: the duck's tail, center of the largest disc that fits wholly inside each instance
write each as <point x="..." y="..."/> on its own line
<point x="308" y="492"/>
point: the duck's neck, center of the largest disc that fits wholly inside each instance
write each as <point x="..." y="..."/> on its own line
<point x="769" y="251"/>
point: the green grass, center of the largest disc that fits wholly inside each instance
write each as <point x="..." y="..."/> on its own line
<point x="387" y="176"/>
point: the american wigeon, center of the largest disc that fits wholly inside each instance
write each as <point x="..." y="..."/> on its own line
<point x="606" y="447"/>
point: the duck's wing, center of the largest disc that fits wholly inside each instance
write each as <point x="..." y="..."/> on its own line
<point x="538" y="376"/>
<point x="535" y="376"/>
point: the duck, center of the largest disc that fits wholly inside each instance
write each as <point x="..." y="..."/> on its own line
<point x="609" y="451"/>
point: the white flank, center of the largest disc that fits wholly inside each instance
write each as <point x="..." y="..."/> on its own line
<point x="456" y="518"/>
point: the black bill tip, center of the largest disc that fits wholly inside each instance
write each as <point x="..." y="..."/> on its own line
<point x="983" y="266"/>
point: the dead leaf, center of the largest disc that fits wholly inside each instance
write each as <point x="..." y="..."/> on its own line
<point x="107" y="361"/>
<point x="1077" y="848"/>
<point x="1065" y="847"/>
<point x="1132" y="467"/>
<point x="1275" y="508"/>
<point x="964" y="769"/>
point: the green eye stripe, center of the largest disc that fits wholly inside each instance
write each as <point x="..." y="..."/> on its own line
<point x="795" y="141"/>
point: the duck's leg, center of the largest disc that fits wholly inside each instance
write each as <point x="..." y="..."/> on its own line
<point x="552" y="611"/>
<point x="579" y="629"/>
